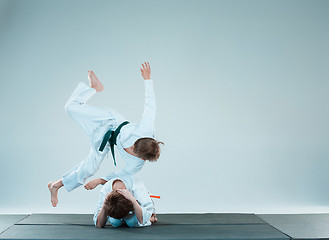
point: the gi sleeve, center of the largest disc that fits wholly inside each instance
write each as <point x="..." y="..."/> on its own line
<point x="109" y="176"/>
<point x="131" y="168"/>
<point x="148" y="118"/>
<point x="101" y="199"/>
<point x="142" y="196"/>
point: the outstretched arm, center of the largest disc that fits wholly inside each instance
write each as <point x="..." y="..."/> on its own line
<point x="148" y="118"/>
<point x="94" y="183"/>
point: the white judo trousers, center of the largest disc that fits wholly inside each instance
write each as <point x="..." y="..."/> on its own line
<point x="95" y="121"/>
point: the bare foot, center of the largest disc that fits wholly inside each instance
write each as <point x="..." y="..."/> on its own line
<point x="53" y="188"/>
<point x="153" y="218"/>
<point x="94" y="82"/>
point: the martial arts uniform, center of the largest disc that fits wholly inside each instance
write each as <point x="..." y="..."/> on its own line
<point x="141" y="194"/>
<point x="96" y="121"/>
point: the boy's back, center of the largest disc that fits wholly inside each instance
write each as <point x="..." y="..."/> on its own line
<point x="138" y="190"/>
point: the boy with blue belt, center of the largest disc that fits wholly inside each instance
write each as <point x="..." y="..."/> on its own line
<point x="106" y="127"/>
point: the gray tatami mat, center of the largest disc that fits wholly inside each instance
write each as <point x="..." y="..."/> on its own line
<point x="300" y="226"/>
<point x="7" y="220"/>
<point x="164" y="219"/>
<point x="46" y="219"/>
<point x="253" y="231"/>
<point x="170" y="226"/>
<point x="209" y="218"/>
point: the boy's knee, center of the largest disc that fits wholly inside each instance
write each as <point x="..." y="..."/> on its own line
<point x="115" y="222"/>
<point x="132" y="221"/>
<point x="71" y="108"/>
<point x="68" y="107"/>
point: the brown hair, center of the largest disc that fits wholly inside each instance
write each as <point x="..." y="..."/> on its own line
<point x="147" y="148"/>
<point x="119" y="206"/>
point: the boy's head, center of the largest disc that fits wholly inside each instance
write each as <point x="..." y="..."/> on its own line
<point x="147" y="148"/>
<point x="119" y="206"/>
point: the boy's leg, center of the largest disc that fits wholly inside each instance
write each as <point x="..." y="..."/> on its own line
<point x="85" y="115"/>
<point x="83" y="170"/>
<point x="90" y="117"/>
<point x="131" y="220"/>
<point x="94" y="82"/>
<point x="77" y="175"/>
<point x="53" y="188"/>
<point x="116" y="222"/>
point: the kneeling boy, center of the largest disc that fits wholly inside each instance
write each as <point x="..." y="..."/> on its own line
<point x="124" y="199"/>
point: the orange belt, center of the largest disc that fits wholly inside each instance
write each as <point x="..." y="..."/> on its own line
<point x="153" y="196"/>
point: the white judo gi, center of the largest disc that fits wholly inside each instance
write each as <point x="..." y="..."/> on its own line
<point x="96" y="121"/>
<point x="138" y="190"/>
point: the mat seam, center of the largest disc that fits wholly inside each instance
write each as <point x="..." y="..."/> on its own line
<point x="14" y="224"/>
<point x="291" y="238"/>
<point x="75" y="224"/>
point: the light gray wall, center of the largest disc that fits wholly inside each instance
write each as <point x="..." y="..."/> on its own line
<point x="241" y="89"/>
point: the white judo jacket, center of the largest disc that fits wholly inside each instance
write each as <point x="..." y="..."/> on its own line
<point x="96" y="121"/>
<point x="138" y="190"/>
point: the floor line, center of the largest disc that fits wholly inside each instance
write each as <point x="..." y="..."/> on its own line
<point x="14" y="224"/>
<point x="274" y="227"/>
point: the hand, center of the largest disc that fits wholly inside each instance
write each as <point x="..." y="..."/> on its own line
<point x="92" y="184"/>
<point x="146" y="71"/>
<point x="126" y="194"/>
<point x="106" y="202"/>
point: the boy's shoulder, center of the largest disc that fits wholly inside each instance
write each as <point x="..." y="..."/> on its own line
<point x="107" y="187"/>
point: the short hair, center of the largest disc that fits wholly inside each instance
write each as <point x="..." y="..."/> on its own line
<point x="119" y="206"/>
<point x="147" y="148"/>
